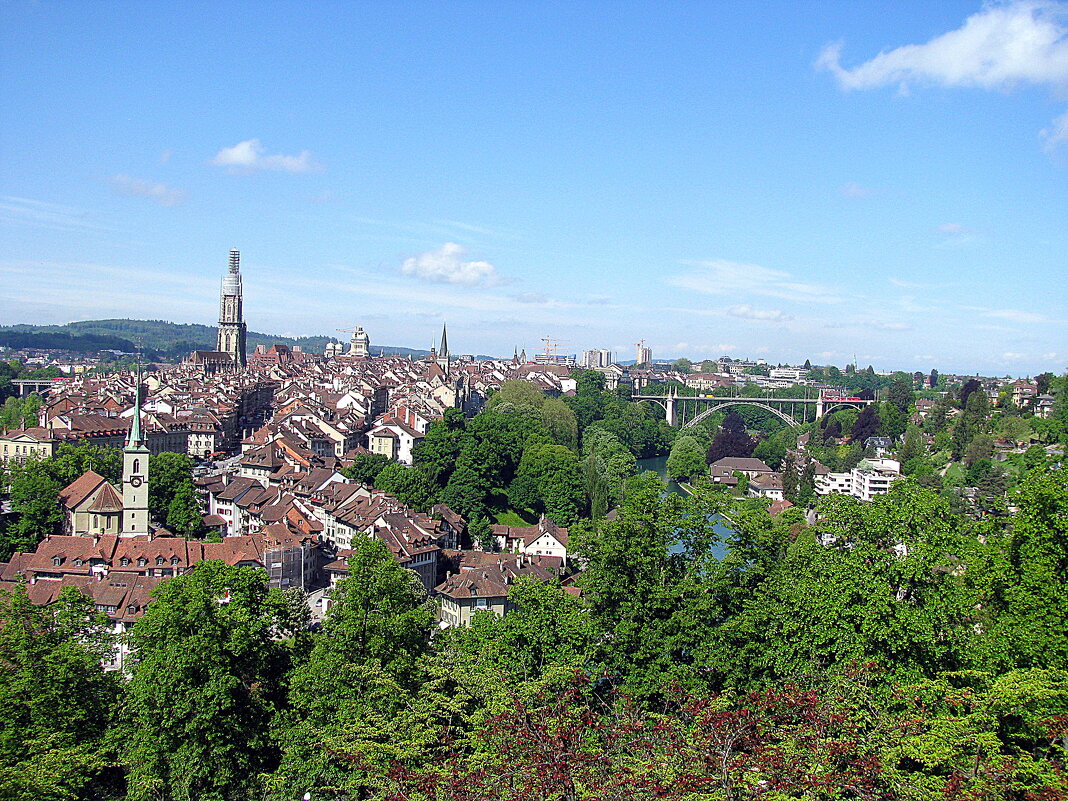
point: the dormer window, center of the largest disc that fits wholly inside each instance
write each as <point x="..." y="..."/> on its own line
<point x="57" y="560"/>
<point x="124" y="561"/>
<point x="159" y="560"/>
<point x="142" y="562"/>
<point x="131" y="609"/>
<point x="174" y="560"/>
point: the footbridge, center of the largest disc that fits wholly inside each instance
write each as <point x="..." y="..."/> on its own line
<point x="786" y="409"/>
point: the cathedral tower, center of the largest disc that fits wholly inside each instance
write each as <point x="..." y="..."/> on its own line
<point x="231" y="321"/>
<point x="135" y="474"/>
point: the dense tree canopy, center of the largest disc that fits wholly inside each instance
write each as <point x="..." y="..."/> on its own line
<point x="208" y="678"/>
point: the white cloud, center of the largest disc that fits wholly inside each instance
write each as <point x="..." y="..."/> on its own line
<point x="952" y="229"/>
<point x="1049" y="356"/>
<point x="447" y="265"/>
<point x="531" y="297"/>
<point x="41" y="214"/>
<point x="1005" y="44"/>
<point x="250" y="155"/>
<point x="160" y="193"/>
<point x="722" y="277"/>
<point x="1017" y="315"/>
<point x="1000" y="46"/>
<point x="1010" y="356"/>
<point x="747" y="312"/>
<point x="892" y="326"/>
<point x="1056" y="134"/>
<point x="165" y="156"/>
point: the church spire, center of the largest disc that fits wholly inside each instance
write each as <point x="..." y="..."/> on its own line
<point x="136" y="439"/>
<point x="443" y="353"/>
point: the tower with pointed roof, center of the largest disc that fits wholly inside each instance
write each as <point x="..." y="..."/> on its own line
<point x="135" y="473"/>
<point x="232" y="331"/>
<point x="443" y="351"/>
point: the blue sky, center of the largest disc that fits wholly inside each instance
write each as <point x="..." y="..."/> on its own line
<point x="777" y="180"/>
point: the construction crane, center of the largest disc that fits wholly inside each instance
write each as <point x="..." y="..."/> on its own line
<point x="551" y="347"/>
<point x="640" y="346"/>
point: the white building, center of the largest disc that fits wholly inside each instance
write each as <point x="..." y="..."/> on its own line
<point x="793" y="374"/>
<point x="592" y="359"/>
<point x="869" y="478"/>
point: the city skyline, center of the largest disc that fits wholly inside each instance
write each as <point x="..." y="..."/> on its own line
<point x="773" y="181"/>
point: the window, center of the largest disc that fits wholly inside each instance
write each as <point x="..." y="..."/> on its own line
<point x="160" y="560"/>
<point x="174" y="560"/>
<point x="131" y="609"/>
<point x="124" y="561"/>
<point x="77" y="562"/>
<point x="142" y="562"/>
<point x="137" y="466"/>
<point x="57" y="560"/>
<point x="480" y="603"/>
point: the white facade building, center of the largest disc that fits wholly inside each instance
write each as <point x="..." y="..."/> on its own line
<point x="869" y="478"/>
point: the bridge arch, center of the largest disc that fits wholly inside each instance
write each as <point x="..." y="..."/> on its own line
<point x="790" y="421"/>
<point x="859" y="404"/>
<point x="662" y="404"/>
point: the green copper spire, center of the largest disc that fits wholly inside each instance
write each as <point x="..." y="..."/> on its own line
<point x="135" y="438"/>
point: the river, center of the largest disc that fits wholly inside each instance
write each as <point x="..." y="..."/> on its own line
<point x="658" y="465"/>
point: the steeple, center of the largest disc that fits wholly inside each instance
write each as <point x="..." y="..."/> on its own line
<point x="135" y="473"/>
<point x="135" y="439"/>
<point x="443" y="352"/>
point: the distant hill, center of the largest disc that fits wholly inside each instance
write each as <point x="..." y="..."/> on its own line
<point x="168" y="340"/>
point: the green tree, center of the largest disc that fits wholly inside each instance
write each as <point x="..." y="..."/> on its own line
<point x="439" y="449"/>
<point x="207" y="679"/>
<point x="547" y="628"/>
<point x="519" y="394"/>
<point x="912" y="447"/>
<point x="20" y="412"/>
<point x="466" y="492"/>
<point x="35" y="501"/>
<point x="56" y="701"/>
<point x="410" y="485"/>
<point x="1043" y="383"/>
<point x="1024" y="620"/>
<point x="682" y="365"/>
<point x="891" y="421"/>
<point x="365" y="467"/>
<point x="184" y="515"/>
<point x="642" y="592"/>
<point x="71" y="461"/>
<point x="352" y="700"/>
<point x="883" y="590"/>
<point x="167" y="472"/>
<point x="549" y="479"/>
<point x="618" y="463"/>
<point x="1015" y="429"/>
<point x="900" y="394"/>
<point x="687" y="459"/>
<point x="480" y="530"/>
<point x="560" y="422"/>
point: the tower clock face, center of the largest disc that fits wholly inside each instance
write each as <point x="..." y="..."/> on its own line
<point x="135" y="481"/>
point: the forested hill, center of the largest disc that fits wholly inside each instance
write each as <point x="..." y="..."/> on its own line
<point x="166" y="338"/>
